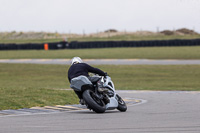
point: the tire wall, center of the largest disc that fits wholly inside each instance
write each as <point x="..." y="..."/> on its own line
<point x="36" y="46"/>
<point x="156" y="43"/>
<point x="101" y="44"/>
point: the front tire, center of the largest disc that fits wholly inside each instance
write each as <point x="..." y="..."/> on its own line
<point x="94" y="102"/>
<point x="121" y="104"/>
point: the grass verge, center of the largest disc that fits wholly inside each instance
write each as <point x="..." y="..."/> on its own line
<point x="105" y="37"/>
<point x="107" y="53"/>
<point x="132" y="37"/>
<point x="18" y="97"/>
<point x="28" y="85"/>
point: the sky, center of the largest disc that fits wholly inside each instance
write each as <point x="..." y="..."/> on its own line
<point x="91" y="16"/>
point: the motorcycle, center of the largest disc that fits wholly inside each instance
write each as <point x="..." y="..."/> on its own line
<point x="98" y="99"/>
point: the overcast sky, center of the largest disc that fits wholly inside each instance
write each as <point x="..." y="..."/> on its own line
<point x="90" y="16"/>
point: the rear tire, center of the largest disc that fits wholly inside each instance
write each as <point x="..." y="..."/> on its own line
<point x="94" y="102"/>
<point x="121" y="104"/>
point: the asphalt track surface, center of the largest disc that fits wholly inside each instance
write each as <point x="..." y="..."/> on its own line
<point x="105" y="61"/>
<point x="160" y="112"/>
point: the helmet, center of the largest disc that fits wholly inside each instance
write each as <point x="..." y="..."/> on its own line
<point x="76" y="60"/>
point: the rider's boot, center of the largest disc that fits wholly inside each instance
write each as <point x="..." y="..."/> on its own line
<point x="82" y="102"/>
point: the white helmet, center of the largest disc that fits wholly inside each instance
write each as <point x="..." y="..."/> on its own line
<point x="76" y="60"/>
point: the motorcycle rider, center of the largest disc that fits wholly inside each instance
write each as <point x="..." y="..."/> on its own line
<point x="79" y="68"/>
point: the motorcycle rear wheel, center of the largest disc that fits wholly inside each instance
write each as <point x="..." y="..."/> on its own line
<point x="121" y="104"/>
<point x="94" y="102"/>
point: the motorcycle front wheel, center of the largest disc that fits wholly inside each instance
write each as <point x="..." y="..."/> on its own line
<point x="121" y="104"/>
<point x="94" y="102"/>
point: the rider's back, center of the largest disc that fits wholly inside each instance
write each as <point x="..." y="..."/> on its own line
<point x="82" y="69"/>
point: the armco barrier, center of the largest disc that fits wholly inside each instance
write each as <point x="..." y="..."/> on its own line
<point x="102" y="44"/>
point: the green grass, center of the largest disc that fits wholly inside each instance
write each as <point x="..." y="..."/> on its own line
<point x="27" y="85"/>
<point x="16" y="98"/>
<point x="23" y="41"/>
<point x="122" y="37"/>
<point x="132" y="37"/>
<point x="24" y="86"/>
<point x="107" y="53"/>
<point x="156" y="77"/>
